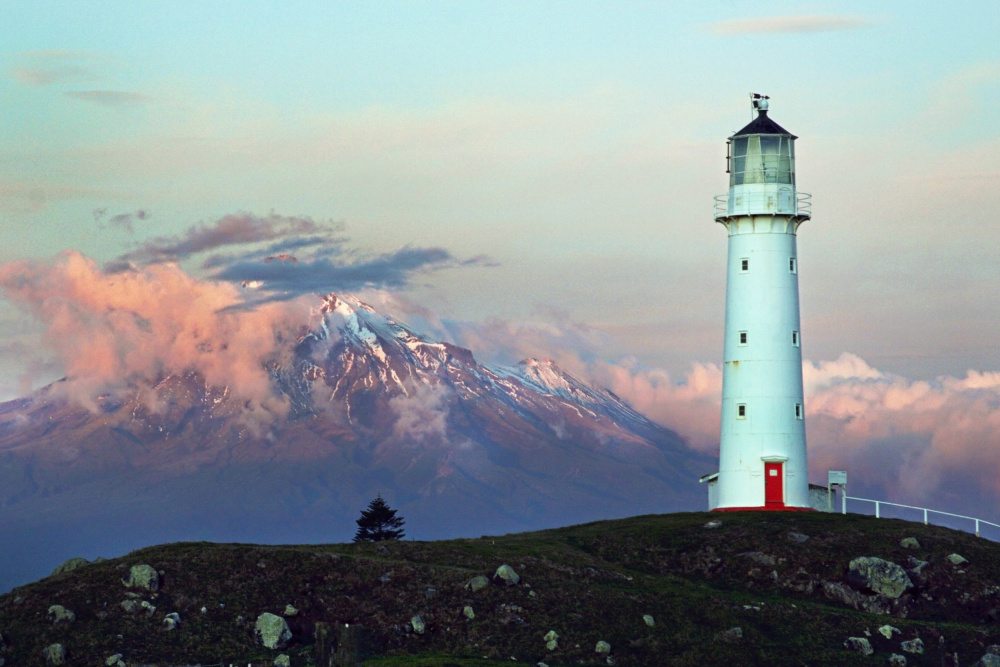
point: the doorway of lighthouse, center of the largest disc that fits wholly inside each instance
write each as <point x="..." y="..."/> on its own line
<point x="774" y="484"/>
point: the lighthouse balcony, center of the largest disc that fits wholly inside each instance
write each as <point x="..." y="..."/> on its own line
<point x="763" y="203"/>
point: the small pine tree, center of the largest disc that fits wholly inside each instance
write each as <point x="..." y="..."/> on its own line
<point x="378" y="523"/>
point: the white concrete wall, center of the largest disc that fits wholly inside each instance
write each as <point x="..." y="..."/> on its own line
<point x="765" y="374"/>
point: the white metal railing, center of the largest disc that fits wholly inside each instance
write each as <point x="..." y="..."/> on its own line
<point x="803" y="204"/>
<point x="879" y="503"/>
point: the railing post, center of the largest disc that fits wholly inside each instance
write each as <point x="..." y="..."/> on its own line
<point x="977" y="527"/>
<point x="843" y="502"/>
<point x="876" y="510"/>
<point x="925" y="516"/>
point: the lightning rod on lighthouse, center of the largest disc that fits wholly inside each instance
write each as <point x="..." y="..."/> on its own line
<point x="762" y="448"/>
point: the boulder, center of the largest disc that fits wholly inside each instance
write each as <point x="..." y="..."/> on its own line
<point x="730" y="636"/>
<point x="70" y="565"/>
<point x="859" y="644"/>
<point x="955" y="559"/>
<point x="272" y="631"/>
<point x="648" y="620"/>
<point x="989" y="659"/>
<point x="897" y="660"/>
<point x="879" y="576"/>
<point x="290" y="611"/>
<point x="507" y="575"/>
<point x="144" y="577"/>
<point x="913" y="646"/>
<point x="602" y="648"/>
<point x="478" y="582"/>
<point x="797" y="537"/>
<point x="888" y="631"/>
<point x="417" y="623"/>
<point x="55" y="654"/>
<point x="909" y="543"/>
<point x="130" y="606"/>
<point x="115" y="660"/>
<point x="171" y="621"/>
<point x="282" y="661"/>
<point x="60" y="614"/>
<point x="468" y="612"/>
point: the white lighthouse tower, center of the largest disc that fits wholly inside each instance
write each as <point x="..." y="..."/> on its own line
<point x="762" y="458"/>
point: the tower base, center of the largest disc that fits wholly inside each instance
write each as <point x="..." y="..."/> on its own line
<point x="765" y="508"/>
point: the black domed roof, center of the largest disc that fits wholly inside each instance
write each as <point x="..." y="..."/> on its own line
<point x="763" y="125"/>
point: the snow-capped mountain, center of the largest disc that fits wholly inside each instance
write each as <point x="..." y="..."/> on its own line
<point x="368" y="406"/>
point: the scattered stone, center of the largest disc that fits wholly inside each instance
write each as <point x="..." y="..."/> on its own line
<point x="115" y="661"/>
<point x="171" y="621"/>
<point x="797" y="537"/>
<point x="282" y="661"/>
<point x="507" y="574"/>
<point x="477" y="583"/>
<point x="531" y="594"/>
<point x="955" y="559"/>
<point x="55" y="654"/>
<point x="897" y="660"/>
<point x="70" y="565"/>
<point x="150" y="609"/>
<point x="552" y="640"/>
<point x="913" y="646"/>
<point x="290" y="610"/>
<point x="888" y="631"/>
<point x="386" y="578"/>
<point x="468" y="612"/>
<point x="204" y="610"/>
<point x="859" y="644"/>
<point x="602" y="647"/>
<point x="144" y="577"/>
<point x="989" y="659"/>
<point x="648" y="620"/>
<point x="878" y="575"/>
<point x="759" y="557"/>
<point x="730" y="636"/>
<point x="272" y="631"/>
<point x="714" y="523"/>
<point x="130" y="606"/>
<point x="430" y="592"/>
<point x="60" y="614"/>
<point x="417" y="623"/>
<point x="909" y="543"/>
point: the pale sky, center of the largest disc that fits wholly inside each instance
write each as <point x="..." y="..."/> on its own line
<point x="576" y="145"/>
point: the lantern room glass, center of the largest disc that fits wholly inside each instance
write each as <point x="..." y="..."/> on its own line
<point x="762" y="158"/>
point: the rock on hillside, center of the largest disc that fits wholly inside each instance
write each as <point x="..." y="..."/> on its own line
<point x="745" y="590"/>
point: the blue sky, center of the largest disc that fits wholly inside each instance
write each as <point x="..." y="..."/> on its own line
<point x="577" y="145"/>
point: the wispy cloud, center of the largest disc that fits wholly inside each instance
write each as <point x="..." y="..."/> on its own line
<point x="803" y="23"/>
<point x="109" y="98"/>
<point x="237" y="229"/>
<point x="44" y="68"/>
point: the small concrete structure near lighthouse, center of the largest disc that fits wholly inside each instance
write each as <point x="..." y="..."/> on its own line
<point x="762" y="457"/>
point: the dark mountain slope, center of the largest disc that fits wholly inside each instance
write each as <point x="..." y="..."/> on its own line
<point x="460" y="448"/>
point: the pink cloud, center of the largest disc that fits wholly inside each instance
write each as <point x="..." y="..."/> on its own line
<point x="113" y="331"/>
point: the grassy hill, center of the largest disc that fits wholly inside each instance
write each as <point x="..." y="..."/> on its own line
<point x="781" y="578"/>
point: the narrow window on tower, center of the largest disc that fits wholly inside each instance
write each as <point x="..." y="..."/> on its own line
<point x="743" y="338"/>
<point x="744" y="265"/>
<point x="791" y="265"/>
<point x="741" y="410"/>
<point x="798" y="411"/>
<point x="795" y="338"/>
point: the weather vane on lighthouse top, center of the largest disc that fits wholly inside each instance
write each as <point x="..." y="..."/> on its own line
<point x="762" y="445"/>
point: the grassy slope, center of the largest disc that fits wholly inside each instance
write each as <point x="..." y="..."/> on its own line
<point x="590" y="582"/>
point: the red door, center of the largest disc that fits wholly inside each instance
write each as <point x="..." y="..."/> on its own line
<point x="774" y="487"/>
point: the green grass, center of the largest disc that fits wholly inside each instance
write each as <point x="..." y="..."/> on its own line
<point x="588" y="583"/>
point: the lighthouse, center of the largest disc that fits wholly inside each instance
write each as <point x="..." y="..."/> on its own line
<point x="762" y="457"/>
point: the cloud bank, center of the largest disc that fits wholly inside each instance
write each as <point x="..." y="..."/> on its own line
<point x="805" y="23"/>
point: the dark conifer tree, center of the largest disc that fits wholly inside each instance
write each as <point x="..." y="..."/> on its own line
<point x="378" y="523"/>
